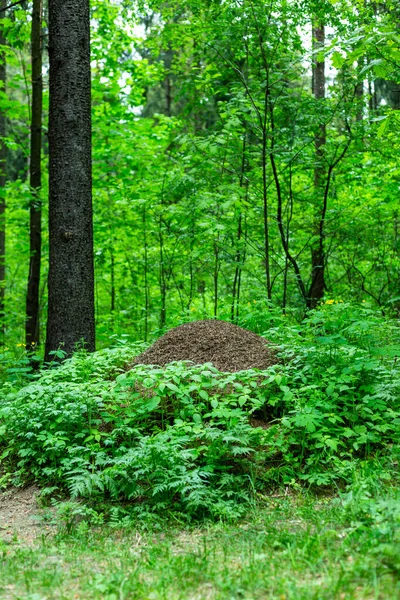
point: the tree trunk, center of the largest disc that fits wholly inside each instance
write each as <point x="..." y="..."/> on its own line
<point x="162" y="278"/>
<point x="191" y="269"/>
<point x="240" y="251"/>
<point x="112" y="290"/>
<point x="265" y="194"/>
<point x="238" y="262"/>
<point x="216" y="275"/>
<point x="146" y="278"/>
<point x="317" y="286"/>
<point x="3" y="155"/>
<point x="71" y="272"/>
<point x="35" y="226"/>
<point x="360" y="95"/>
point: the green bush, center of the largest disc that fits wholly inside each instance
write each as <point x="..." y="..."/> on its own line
<point x="201" y="442"/>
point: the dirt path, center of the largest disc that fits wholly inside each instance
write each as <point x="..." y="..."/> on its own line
<point x="20" y="517"/>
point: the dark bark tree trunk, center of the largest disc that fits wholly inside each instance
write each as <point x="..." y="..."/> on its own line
<point x="238" y="261"/>
<point x="146" y="278"/>
<point x="162" y="278"/>
<point x="168" y="96"/>
<point x="317" y="286"/>
<point x="71" y="273"/>
<point x="216" y="276"/>
<point x="112" y="290"/>
<point x="35" y="226"/>
<point x="240" y="249"/>
<point x="360" y="95"/>
<point x="3" y="156"/>
<point x="265" y="193"/>
<point x="191" y="269"/>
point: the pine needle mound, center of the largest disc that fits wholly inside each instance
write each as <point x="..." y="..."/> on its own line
<point x="228" y="347"/>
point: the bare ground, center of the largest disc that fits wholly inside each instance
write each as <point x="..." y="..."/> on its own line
<point x="21" y="519"/>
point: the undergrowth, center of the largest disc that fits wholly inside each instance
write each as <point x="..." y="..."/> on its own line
<point x="198" y="443"/>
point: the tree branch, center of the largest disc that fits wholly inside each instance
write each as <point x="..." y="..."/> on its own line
<point x="11" y="5"/>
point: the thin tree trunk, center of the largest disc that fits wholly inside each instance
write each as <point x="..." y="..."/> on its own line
<point x="32" y="326"/>
<point x="317" y="286"/>
<point x="360" y="95"/>
<point x="285" y="285"/>
<point x="191" y="270"/>
<point x="202" y="291"/>
<point x="191" y="282"/>
<point x="373" y="103"/>
<point x="146" y="282"/>
<point x="288" y="222"/>
<point x="168" y="96"/>
<point x="169" y="55"/>
<point x="279" y="213"/>
<point x="396" y="255"/>
<point x="216" y="275"/>
<point x="265" y="194"/>
<point x="112" y="290"/>
<point x="71" y="272"/>
<point x="239" y="286"/>
<point x="163" y="284"/>
<point x="3" y="178"/>
<point x="239" y="258"/>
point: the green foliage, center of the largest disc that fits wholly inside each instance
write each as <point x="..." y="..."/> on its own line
<point x="200" y="442"/>
<point x="179" y="105"/>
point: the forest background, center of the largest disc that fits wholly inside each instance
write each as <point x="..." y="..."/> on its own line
<point x="245" y="168"/>
<point x="245" y="156"/>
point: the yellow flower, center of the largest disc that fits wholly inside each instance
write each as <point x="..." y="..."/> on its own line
<point x="20" y="345"/>
<point x="329" y="302"/>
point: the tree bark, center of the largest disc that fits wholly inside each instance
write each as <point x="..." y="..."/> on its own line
<point x="265" y="193"/>
<point x="112" y="290"/>
<point x="360" y="95"/>
<point x="3" y="179"/>
<point x="162" y="278"/>
<point x="240" y="254"/>
<point x="32" y="326"/>
<point x="71" y="272"/>
<point x="317" y="286"/>
<point x="216" y="275"/>
<point x="146" y="277"/>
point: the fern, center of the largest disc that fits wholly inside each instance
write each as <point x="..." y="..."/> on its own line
<point x="182" y="438"/>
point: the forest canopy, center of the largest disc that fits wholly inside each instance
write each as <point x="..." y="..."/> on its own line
<point x="245" y="156"/>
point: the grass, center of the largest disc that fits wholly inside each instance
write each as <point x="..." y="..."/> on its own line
<point x="291" y="548"/>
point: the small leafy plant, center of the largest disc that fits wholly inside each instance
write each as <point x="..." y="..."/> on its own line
<point x="192" y="440"/>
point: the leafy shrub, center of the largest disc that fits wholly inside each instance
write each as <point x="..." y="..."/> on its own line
<point x="373" y="508"/>
<point x="201" y="442"/>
